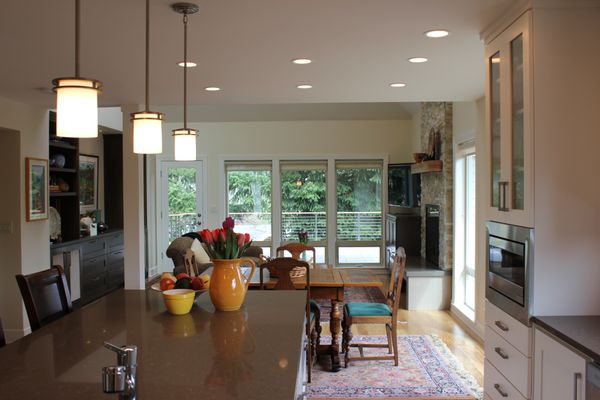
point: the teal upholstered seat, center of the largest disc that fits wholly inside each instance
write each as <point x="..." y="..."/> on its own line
<point x="368" y="309"/>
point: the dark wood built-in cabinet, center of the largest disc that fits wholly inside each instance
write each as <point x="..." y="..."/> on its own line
<point x="402" y="230"/>
<point x="100" y="267"/>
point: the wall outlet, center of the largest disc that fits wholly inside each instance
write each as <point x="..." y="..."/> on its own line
<point x="6" y="227"/>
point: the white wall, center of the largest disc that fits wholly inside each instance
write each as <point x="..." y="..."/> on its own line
<point x="32" y="124"/>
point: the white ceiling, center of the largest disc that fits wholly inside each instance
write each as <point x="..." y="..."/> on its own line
<point x="245" y="47"/>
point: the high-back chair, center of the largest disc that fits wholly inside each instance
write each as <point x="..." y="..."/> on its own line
<point x="286" y="269"/>
<point x="2" y="339"/>
<point x="46" y="296"/>
<point x="376" y="313"/>
<point x="296" y="249"/>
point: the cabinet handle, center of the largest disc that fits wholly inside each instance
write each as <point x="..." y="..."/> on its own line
<point x="501" y="325"/>
<point x="499" y="389"/>
<point x="576" y="378"/>
<point x="502" y="185"/>
<point x="501" y="353"/>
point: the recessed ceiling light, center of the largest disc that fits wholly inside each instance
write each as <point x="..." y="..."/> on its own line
<point x="304" y="86"/>
<point x="212" y="89"/>
<point x="417" y="60"/>
<point x="437" y="33"/>
<point x="397" y="84"/>
<point x="301" y="61"/>
<point x="189" y="64"/>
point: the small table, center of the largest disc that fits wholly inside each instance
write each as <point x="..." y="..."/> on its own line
<point x="329" y="284"/>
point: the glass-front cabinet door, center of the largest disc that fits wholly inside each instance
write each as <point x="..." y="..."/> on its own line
<point x="509" y="126"/>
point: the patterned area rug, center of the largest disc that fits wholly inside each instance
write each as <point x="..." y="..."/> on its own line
<point x="364" y="294"/>
<point x="427" y="370"/>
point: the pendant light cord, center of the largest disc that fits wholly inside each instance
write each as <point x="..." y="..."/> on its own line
<point x="185" y="67"/>
<point x="147" y="55"/>
<point x="77" y="38"/>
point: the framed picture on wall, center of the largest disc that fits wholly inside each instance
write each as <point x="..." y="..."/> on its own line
<point x="37" y="188"/>
<point x="88" y="183"/>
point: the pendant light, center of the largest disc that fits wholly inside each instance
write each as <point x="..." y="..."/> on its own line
<point x="147" y="125"/>
<point x="185" y="138"/>
<point x="76" y="99"/>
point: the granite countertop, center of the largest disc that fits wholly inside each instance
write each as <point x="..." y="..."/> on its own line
<point x="253" y="353"/>
<point x="417" y="266"/>
<point x="581" y="332"/>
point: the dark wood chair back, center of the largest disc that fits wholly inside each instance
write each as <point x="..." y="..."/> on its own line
<point x="296" y="249"/>
<point x="2" y="339"/>
<point x="46" y="296"/>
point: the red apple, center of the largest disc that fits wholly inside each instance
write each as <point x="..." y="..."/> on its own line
<point x="197" y="283"/>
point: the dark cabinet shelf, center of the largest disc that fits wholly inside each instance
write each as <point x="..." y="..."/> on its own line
<point x="66" y="170"/>
<point x="62" y="194"/>
<point x="62" y="145"/>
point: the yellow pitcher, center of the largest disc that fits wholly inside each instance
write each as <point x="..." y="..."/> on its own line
<point x="227" y="284"/>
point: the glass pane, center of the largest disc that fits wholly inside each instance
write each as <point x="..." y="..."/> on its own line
<point x="359" y="203"/>
<point x="181" y="201"/>
<point x="303" y="203"/>
<point x="307" y="255"/>
<point x="518" y="165"/>
<point x="353" y="255"/>
<point x="495" y="126"/>
<point x="470" y="204"/>
<point x="249" y="202"/>
<point x="470" y="292"/>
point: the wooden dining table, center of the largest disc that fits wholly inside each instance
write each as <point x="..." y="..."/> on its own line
<point x="328" y="283"/>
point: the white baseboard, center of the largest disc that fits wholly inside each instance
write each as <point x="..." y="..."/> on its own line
<point x="471" y="327"/>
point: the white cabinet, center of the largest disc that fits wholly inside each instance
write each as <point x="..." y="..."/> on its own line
<point x="509" y="125"/>
<point x="559" y="373"/>
<point x="508" y="353"/>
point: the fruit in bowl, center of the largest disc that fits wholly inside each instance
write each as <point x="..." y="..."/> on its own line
<point x="179" y="301"/>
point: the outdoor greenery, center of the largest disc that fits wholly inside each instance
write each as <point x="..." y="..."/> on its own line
<point x="303" y="200"/>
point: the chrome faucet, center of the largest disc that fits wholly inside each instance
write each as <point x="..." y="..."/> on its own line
<point x="122" y="377"/>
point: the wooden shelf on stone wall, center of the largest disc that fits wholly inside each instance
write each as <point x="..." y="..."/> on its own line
<point x="426" y="166"/>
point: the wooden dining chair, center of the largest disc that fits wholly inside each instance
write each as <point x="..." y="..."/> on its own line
<point x="296" y="249"/>
<point x="2" y="339"/>
<point x="376" y="313"/>
<point x="46" y="296"/>
<point x="286" y="269"/>
<point x="189" y="262"/>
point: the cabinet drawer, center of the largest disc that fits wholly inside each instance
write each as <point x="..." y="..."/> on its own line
<point x="116" y="256"/>
<point x="89" y="247"/>
<point x="114" y="240"/>
<point x="93" y="266"/>
<point x="115" y="277"/>
<point x="496" y="386"/>
<point x="511" y="330"/>
<point x="509" y="361"/>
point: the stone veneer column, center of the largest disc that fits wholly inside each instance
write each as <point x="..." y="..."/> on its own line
<point x="437" y="187"/>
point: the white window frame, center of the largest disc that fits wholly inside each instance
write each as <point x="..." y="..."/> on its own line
<point x="461" y="269"/>
<point x="331" y="247"/>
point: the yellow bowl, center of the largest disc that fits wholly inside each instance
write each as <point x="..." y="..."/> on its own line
<point x="179" y="301"/>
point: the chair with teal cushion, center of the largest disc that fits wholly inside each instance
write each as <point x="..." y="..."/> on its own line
<point x="376" y="313"/>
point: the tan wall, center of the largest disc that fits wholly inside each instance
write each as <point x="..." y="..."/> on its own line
<point x="32" y="124"/>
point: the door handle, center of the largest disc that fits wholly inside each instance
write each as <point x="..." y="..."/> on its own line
<point x="576" y="378"/>
<point x="499" y="389"/>
<point x="501" y="353"/>
<point x="501" y="325"/>
<point x="502" y="185"/>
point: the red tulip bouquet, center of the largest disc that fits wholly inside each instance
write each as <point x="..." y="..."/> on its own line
<point x="225" y="244"/>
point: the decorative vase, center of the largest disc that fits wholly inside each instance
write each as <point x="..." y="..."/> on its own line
<point x="227" y="284"/>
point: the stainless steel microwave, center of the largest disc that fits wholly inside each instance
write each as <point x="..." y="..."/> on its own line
<point x="509" y="268"/>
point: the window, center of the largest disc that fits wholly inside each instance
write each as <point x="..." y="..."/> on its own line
<point x="249" y="200"/>
<point x="464" y="268"/>
<point x="359" y="212"/>
<point x="304" y="203"/>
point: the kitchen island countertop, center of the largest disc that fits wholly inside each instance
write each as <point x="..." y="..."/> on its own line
<point x="253" y="353"/>
<point x="581" y="332"/>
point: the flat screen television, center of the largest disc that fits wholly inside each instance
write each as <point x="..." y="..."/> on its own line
<point x="404" y="188"/>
